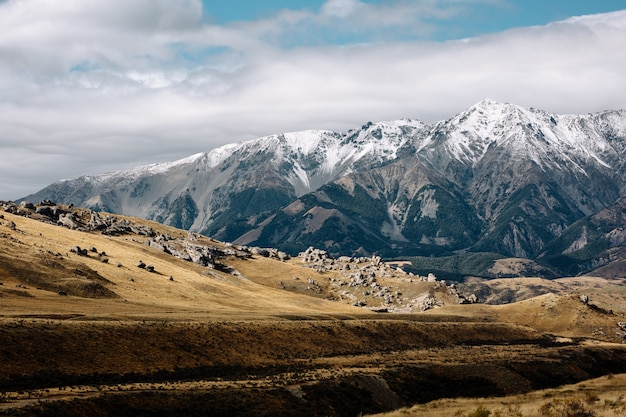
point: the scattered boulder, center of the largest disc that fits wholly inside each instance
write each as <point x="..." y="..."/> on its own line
<point x="470" y="299"/>
<point x="10" y="207"/>
<point x="68" y="220"/>
<point x="44" y="211"/>
<point x="203" y="255"/>
<point x="260" y="251"/>
<point x="27" y="205"/>
<point x="53" y="212"/>
<point x="313" y="255"/>
<point x="79" y="251"/>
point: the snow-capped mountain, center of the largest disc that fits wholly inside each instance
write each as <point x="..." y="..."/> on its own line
<point x="496" y="177"/>
<point x="226" y="190"/>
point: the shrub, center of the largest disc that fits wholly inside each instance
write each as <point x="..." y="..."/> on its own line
<point x="511" y="411"/>
<point x="591" y="398"/>
<point x="568" y="408"/>
<point x="480" y="412"/>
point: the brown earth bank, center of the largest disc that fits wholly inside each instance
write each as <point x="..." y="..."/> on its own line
<point x="52" y="353"/>
<point x="281" y="367"/>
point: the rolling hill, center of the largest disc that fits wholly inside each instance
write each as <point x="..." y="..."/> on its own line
<point x="112" y="315"/>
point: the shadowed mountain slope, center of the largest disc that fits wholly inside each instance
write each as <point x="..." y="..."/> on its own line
<point x="495" y="178"/>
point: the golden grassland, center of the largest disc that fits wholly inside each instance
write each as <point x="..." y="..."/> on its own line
<point x="30" y="257"/>
<point x="604" y="397"/>
<point x="187" y="339"/>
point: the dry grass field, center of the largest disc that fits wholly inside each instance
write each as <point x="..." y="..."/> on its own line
<point x="95" y="334"/>
<point x="600" y="397"/>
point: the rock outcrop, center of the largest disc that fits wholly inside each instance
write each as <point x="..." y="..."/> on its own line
<point x="370" y="282"/>
<point x="76" y="219"/>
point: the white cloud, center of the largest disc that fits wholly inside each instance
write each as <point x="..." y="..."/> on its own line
<point x="341" y="8"/>
<point x="86" y="87"/>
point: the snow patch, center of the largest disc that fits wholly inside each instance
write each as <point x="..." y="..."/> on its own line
<point x="579" y="243"/>
<point x="299" y="178"/>
<point x="428" y="204"/>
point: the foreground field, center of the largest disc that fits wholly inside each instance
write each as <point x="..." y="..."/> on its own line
<point x="600" y="397"/>
<point x="317" y="367"/>
<point x="90" y="331"/>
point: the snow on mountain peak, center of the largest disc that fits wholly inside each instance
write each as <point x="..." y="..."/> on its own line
<point x="312" y="157"/>
<point x="159" y="168"/>
<point x="307" y="141"/>
<point x="218" y="155"/>
<point x="136" y="172"/>
<point x="527" y="133"/>
<point x="469" y="133"/>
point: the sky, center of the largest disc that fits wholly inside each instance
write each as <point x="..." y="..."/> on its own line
<point x="92" y="86"/>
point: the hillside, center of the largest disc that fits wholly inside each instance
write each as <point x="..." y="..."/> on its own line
<point x="38" y="262"/>
<point x="199" y="326"/>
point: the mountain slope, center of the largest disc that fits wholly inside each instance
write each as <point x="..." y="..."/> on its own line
<point x="527" y="173"/>
<point x="494" y="178"/>
<point x="223" y="192"/>
<point x="592" y="242"/>
<point x="92" y="267"/>
<point x="391" y="209"/>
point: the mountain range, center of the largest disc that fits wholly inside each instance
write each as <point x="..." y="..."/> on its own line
<point x="496" y="178"/>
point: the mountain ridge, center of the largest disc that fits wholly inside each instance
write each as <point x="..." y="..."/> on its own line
<point x="496" y="177"/>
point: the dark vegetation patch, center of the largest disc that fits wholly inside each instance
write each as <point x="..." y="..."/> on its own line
<point x="36" y="355"/>
<point x="396" y="386"/>
<point x="55" y="273"/>
<point x="455" y="267"/>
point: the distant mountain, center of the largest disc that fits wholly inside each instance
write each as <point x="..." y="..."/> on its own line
<point x="228" y="191"/>
<point x="494" y="178"/>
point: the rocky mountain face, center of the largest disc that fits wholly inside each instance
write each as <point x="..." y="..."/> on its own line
<point x="495" y="178"/>
<point x="595" y="242"/>
<point x="228" y="191"/>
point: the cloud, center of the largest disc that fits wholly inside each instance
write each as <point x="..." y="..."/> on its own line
<point x="341" y="8"/>
<point x="86" y="87"/>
